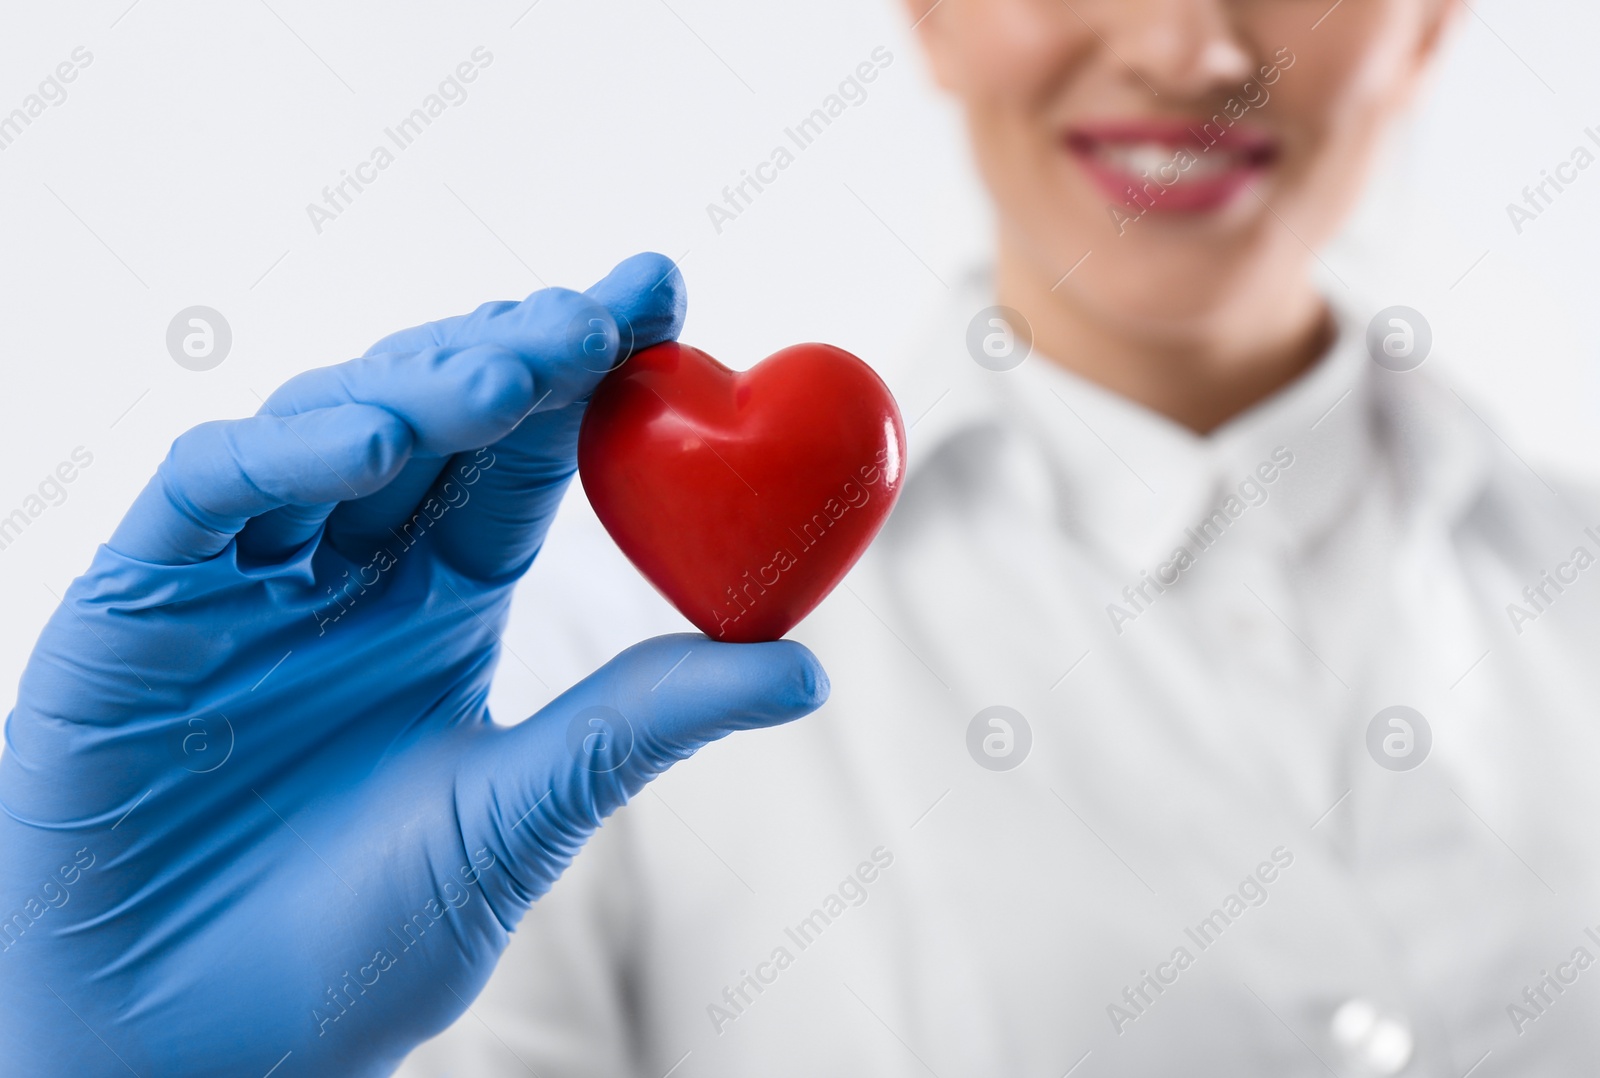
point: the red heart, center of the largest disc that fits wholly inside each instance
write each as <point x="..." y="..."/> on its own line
<point x="743" y="497"/>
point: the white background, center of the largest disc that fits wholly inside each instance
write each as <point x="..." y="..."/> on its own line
<point x="178" y="170"/>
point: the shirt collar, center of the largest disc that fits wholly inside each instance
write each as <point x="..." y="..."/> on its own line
<point x="1133" y="484"/>
<point x="941" y="390"/>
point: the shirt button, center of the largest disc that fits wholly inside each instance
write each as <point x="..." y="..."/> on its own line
<point x="1373" y="1041"/>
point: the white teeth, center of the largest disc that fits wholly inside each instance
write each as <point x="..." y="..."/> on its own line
<point x="1147" y="157"/>
<point x="1156" y="159"/>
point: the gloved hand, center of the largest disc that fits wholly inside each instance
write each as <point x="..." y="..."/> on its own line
<point x="255" y="812"/>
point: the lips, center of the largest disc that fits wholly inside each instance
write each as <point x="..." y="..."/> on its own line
<point x="1171" y="166"/>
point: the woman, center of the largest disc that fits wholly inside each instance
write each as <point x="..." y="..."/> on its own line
<point x="1110" y="782"/>
<point x="1214" y="702"/>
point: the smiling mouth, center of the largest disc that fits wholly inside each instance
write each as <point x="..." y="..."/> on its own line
<point x="1171" y="167"/>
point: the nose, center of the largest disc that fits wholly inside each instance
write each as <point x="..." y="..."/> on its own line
<point x="1176" y="48"/>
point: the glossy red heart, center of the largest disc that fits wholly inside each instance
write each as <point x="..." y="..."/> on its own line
<point x="744" y="497"/>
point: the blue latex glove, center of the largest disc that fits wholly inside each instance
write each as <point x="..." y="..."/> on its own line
<point x="256" y="813"/>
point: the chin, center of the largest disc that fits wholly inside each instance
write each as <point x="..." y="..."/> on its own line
<point x="1157" y="281"/>
<point x="1151" y="306"/>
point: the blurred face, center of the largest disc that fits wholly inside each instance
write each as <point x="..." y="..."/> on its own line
<point x="1198" y="148"/>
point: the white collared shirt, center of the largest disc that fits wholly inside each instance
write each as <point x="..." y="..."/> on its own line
<point x="1199" y="866"/>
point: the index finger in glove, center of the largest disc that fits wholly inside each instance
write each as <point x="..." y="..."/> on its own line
<point x="221" y="474"/>
<point x="466" y="393"/>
